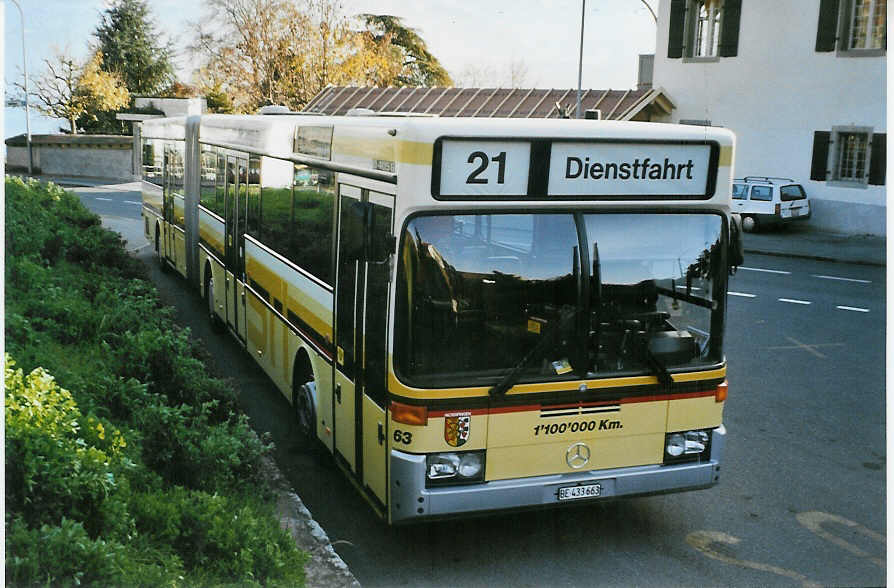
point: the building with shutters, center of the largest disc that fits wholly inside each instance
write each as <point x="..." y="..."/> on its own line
<point x="803" y="85"/>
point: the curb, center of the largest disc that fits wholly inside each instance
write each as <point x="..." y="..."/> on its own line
<point x="325" y="568"/>
<point x="868" y="262"/>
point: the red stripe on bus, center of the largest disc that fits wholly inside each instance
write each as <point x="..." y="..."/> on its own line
<point x="538" y="407"/>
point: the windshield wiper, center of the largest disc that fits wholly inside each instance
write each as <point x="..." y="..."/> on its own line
<point x="658" y="368"/>
<point x="547" y="338"/>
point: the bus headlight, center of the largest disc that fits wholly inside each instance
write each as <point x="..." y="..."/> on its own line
<point x="454" y="468"/>
<point x="687" y="446"/>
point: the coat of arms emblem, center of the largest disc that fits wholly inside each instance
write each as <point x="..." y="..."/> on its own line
<point x="457" y="426"/>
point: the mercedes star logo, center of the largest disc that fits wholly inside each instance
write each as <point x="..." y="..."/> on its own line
<point x="577" y="455"/>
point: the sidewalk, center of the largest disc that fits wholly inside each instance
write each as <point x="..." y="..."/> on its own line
<point x="806" y="242"/>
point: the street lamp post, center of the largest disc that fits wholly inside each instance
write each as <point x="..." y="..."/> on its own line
<point x="27" y="107"/>
<point x="580" y="61"/>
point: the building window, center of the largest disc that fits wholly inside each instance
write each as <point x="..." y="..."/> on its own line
<point x="866" y="25"/>
<point x="703" y="29"/>
<point x="853" y="28"/>
<point x="849" y="157"/>
<point x="706" y="27"/>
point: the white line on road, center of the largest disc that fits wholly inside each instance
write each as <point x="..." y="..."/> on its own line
<point x="793" y="301"/>
<point x="742" y="294"/>
<point x="842" y="279"/>
<point x="104" y="199"/>
<point x="854" y="308"/>
<point x="767" y="271"/>
<point x="131" y="202"/>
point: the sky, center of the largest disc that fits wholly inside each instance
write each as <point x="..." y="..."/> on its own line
<point x="485" y="35"/>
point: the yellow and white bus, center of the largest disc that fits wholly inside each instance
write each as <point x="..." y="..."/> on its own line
<point x="472" y="315"/>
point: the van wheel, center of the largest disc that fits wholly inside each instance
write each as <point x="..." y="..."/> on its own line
<point x="749" y="224"/>
<point x="305" y="414"/>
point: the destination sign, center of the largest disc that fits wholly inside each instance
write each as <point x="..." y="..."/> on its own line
<point x="557" y="169"/>
<point x="581" y="169"/>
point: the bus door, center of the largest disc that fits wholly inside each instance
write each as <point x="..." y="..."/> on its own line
<point x="234" y="254"/>
<point x="374" y="344"/>
<point x="167" y="226"/>
<point x="364" y="247"/>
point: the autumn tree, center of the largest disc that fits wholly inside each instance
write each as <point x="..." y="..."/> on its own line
<point x="411" y="61"/>
<point x="281" y="52"/>
<point x="76" y="90"/>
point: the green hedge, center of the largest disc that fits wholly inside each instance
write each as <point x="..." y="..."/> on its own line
<point x="129" y="465"/>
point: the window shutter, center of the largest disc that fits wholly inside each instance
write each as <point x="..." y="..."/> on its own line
<point x="729" y="36"/>
<point x="676" y="28"/>
<point x="877" y="160"/>
<point x="820" y="162"/>
<point x="827" y="27"/>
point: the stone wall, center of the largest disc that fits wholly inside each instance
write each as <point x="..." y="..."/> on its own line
<point x="94" y="156"/>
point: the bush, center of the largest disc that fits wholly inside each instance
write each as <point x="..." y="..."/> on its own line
<point x="221" y="539"/>
<point x="54" y="468"/>
<point x="130" y="465"/>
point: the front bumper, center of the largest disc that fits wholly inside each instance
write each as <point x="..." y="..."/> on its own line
<point x="412" y="501"/>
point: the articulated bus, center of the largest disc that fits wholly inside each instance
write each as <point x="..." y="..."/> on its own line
<point x="471" y="315"/>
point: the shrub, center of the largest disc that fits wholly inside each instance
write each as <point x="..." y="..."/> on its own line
<point x="53" y="468"/>
<point x="143" y="427"/>
<point x="65" y="555"/>
<point x="220" y="539"/>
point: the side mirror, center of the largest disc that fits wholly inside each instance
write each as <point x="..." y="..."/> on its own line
<point x="736" y="253"/>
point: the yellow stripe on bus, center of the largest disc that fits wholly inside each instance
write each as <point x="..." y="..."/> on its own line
<point x="725" y="158"/>
<point x="396" y="387"/>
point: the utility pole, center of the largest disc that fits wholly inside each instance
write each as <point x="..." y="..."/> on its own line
<point x="580" y="61"/>
<point x="27" y="108"/>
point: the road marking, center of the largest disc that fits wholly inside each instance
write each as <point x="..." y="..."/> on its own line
<point x="793" y="301"/>
<point x="814" y="519"/>
<point x="104" y="199"/>
<point x="767" y="271"/>
<point x="743" y="294"/>
<point x="842" y="279"/>
<point x="806" y="347"/>
<point x="854" y="308"/>
<point x="703" y="541"/>
<point x="131" y="202"/>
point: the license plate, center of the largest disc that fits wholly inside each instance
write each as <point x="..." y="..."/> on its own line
<point x="796" y="212"/>
<point x="578" y="492"/>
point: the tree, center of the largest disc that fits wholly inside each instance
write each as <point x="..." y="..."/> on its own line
<point x="130" y="47"/>
<point x="263" y="52"/>
<point x="512" y="75"/>
<point x="416" y="65"/>
<point x="72" y="90"/>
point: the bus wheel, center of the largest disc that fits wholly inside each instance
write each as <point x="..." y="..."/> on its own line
<point x="304" y="409"/>
<point x="216" y="323"/>
<point x="161" y="260"/>
<point x="749" y="224"/>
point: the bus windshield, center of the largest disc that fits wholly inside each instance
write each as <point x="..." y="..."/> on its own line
<point x="481" y="294"/>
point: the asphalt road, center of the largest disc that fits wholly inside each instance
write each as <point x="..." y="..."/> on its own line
<point x="802" y="494"/>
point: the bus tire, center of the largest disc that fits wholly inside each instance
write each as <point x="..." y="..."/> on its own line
<point x="216" y="323"/>
<point x="305" y="412"/>
<point x="161" y="260"/>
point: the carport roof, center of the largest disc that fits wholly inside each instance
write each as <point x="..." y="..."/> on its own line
<point x="490" y="102"/>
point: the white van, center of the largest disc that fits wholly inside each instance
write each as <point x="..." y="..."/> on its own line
<point x="768" y="201"/>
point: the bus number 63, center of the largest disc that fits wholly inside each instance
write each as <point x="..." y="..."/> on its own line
<point x="483" y="162"/>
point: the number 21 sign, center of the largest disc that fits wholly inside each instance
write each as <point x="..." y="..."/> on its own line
<point x="483" y="167"/>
